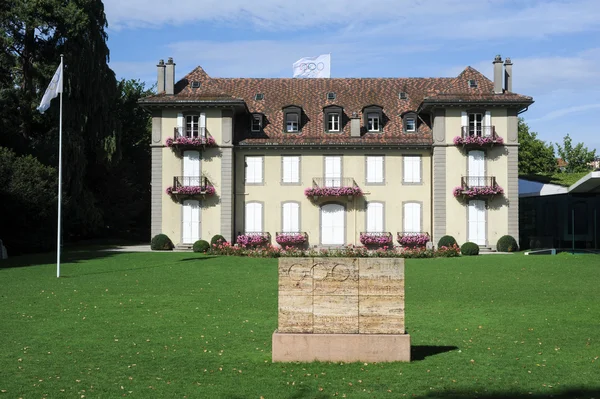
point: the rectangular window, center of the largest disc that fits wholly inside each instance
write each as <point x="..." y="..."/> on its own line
<point x="254" y="170"/>
<point x="373" y="122"/>
<point x="292" y="121"/>
<point x="256" y="123"/>
<point x="191" y="125"/>
<point x="290" y="169"/>
<point x="333" y="122"/>
<point x="375" y="169"/>
<point x="411" y="125"/>
<point x="253" y="217"/>
<point x="475" y="124"/>
<point x="412" y="169"/>
<point x="412" y="217"/>
<point x="374" y="217"/>
<point x="291" y="217"/>
<point x="333" y="171"/>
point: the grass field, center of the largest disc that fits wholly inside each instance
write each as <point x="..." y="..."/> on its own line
<point x="178" y="325"/>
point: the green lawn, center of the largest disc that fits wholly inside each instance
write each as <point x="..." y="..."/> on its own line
<point x="173" y="325"/>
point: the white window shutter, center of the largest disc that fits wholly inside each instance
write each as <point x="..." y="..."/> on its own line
<point x="295" y="169"/>
<point x="254" y="170"/>
<point x="371" y="169"/>
<point x="487" y="122"/>
<point x="291" y="217"/>
<point x="417" y="176"/>
<point x="253" y="217"/>
<point x="412" y="217"/>
<point x="374" y="217"/>
<point x="202" y="124"/>
<point x="412" y="169"/>
<point x="463" y="119"/>
<point x="180" y="124"/>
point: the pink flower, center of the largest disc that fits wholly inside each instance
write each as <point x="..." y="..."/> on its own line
<point x="413" y="239"/>
<point x="290" y="238"/>
<point x="477" y="191"/>
<point x="332" y="191"/>
<point x="191" y="190"/>
<point x="207" y="141"/>
<point x="478" y="140"/>
<point x="375" y="238"/>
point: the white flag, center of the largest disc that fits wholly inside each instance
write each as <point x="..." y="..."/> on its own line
<point x="55" y="87"/>
<point x="313" y="67"/>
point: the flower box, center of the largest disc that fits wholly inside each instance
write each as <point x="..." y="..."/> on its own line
<point x="477" y="192"/>
<point x="253" y="239"/>
<point x="376" y="239"/>
<point x="413" y="239"/>
<point x="207" y="191"/>
<point x="181" y="142"/>
<point x="478" y="141"/>
<point x="288" y="239"/>
<point x="316" y="192"/>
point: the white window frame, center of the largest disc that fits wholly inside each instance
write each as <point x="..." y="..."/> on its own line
<point x="375" y="176"/>
<point x="256" y="221"/>
<point x="254" y="169"/>
<point x="256" y="123"/>
<point x="290" y="211"/>
<point x="419" y="217"/>
<point x="411" y="121"/>
<point x="291" y="125"/>
<point x="475" y="123"/>
<point x="192" y="125"/>
<point x="375" y="210"/>
<point x="288" y="164"/>
<point x="373" y="122"/>
<point x="411" y="176"/>
<point x="333" y="122"/>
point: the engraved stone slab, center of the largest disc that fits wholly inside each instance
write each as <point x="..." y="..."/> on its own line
<point x="381" y="314"/>
<point x="333" y="276"/>
<point x="335" y="314"/>
<point x="385" y="277"/>
<point x="295" y="314"/>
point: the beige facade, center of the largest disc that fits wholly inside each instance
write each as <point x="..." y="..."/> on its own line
<point x="275" y="138"/>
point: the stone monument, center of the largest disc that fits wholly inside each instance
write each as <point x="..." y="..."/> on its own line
<point x="341" y="309"/>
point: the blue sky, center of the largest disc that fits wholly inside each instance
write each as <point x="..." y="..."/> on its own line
<point x="554" y="45"/>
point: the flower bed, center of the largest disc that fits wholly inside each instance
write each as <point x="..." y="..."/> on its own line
<point x="333" y="191"/>
<point x="285" y="239"/>
<point x="251" y="239"/>
<point x="478" y="191"/>
<point x="478" y="140"/>
<point x="380" y="239"/>
<point x="448" y="252"/>
<point x="413" y="240"/>
<point x="191" y="142"/>
<point x="191" y="190"/>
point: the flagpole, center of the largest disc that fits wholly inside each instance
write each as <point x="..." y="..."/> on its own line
<point x="58" y="235"/>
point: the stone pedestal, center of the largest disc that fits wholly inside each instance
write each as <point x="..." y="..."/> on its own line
<point x="341" y="309"/>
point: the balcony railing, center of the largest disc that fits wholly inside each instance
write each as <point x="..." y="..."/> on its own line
<point x="477" y="187"/>
<point x="191" y="185"/>
<point x="412" y="238"/>
<point x="478" y="136"/>
<point x="185" y="138"/>
<point x="333" y="187"/>
<point x="381" y="238"/>
<point x="287" y="238"/>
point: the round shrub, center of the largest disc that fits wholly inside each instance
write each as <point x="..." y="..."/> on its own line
<point x="161" y="242"/>
<point x="507" y="244"/>
<point x="201" y="246"/>
<point x="469" y="249"/>
<point x="446" y="241"/>
<point x="217" y="239"/>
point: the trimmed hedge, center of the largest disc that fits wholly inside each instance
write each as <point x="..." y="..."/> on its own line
<point x="161" y="242"/>
<point x="469" y="249"/>
<point x="507" y="244"/>
<point x="217" y="239"/>
<point x="201" y="246"/>
<point x="446" y="241"/>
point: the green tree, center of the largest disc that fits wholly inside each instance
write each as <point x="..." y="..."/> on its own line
<point x="535" y="156"/>
<point x="577" y="158"/>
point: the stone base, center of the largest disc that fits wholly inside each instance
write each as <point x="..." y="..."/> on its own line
<point x="297" y="347"/>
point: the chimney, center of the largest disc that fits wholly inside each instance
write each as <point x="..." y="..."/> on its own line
<point x="497" y="74"/>
<point x="508" y="75"/>
<point x="170" y="77"/>
<point x="161" y="76"/>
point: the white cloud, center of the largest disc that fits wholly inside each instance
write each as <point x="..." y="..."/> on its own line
<point x="570" y="111"/>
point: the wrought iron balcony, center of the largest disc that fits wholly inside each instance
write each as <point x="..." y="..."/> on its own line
<point x="333" y="187"/>
<point x="191" y="186"/>
<point x="478" y="136"/>
<point x="186" y="138"/>
<point x="478" y="187"/>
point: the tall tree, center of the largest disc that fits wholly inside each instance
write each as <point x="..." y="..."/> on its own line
<point x="577" y="158"/>
<point x="535" y="156"/>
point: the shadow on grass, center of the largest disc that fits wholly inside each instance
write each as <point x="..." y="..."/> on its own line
<point x="573" y="393"/>
<point x="68" y="256"/>
<point x="420" y="352"/>
<point x="206" y="257"/>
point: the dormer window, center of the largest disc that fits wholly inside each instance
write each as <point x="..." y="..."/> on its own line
<point x="259" y="96"/>
<point x="257" y="121"/>
<point x="373" y="118"/>
<point x="402" y="95"/>
<point x="472" y="83"/>
<point x="331" y="95"/>
<point x="409" y="122"/>
<point x="292" y="119"/>
<point x="333" y="119"/>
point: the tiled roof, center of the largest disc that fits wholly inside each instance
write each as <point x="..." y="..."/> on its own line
<point x="352" y="94"/>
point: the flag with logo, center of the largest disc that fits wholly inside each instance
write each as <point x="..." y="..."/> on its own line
<point x="55" y="87"/>
<point x="313" y="67"/>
